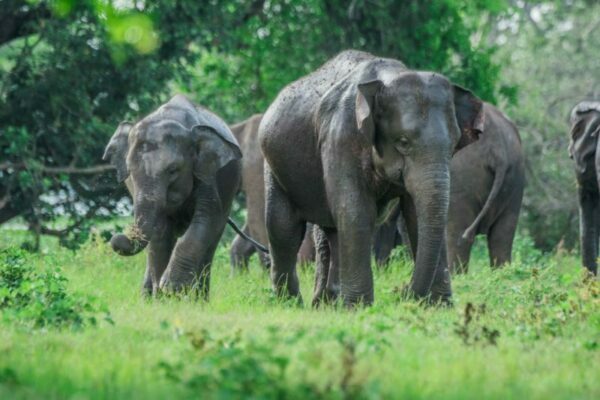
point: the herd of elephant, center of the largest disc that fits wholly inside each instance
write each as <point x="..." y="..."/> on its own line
<point x="355" y="157"/>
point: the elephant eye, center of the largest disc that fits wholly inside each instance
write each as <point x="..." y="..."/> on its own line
<point x="173" y="170"/>
<point x="402" y="144"/>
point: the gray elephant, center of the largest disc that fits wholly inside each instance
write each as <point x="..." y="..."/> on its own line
<point x="253" y="186"/>
<point x="583" y="149"/>
<point x="486" y="193"/>
<point x="344" y="142"/>
<point x="182" y="166"/>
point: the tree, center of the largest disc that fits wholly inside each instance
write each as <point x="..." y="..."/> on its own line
<point x="551" y="48"/>
<point x="71" y="70"/>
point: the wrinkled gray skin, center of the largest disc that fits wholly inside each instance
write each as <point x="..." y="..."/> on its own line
<point x="341" y="144"/>
<point x="182" y="166"/>
<point x="253" y="186"/>
<point x="583" y="149"/>
<point x="486" y="193"/>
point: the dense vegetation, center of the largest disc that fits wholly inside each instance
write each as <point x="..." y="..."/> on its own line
<point x="527" y="331"/>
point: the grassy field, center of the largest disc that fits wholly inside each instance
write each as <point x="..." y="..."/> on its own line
<point x="530" y="330"/>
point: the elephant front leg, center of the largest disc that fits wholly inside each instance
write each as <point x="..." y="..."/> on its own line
<point x="159" y="252"/>
<point x="355" y="221"/>
<point x="189" y="266"/>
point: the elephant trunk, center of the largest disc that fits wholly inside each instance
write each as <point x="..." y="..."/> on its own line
<point x="429" y="188"/>
<point x="145" y="213"/>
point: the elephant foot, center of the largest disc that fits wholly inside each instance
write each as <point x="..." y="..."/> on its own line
<point x="325" y="296"/>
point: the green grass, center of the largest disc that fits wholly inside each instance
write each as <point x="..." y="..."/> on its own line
<point x="534" y="332"/>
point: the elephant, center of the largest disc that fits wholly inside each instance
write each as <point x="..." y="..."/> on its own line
<point x="486" y="193"/>
<point x="343" y="143"/>
<point x="182" y="166"/>
<point x="253" y="186"/>
<point x="585" y="129"/>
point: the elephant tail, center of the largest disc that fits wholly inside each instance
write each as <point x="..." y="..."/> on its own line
<point x="469" y="233"/>
<point x="237" y="229"/>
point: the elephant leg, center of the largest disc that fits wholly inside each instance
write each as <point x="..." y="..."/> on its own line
<point x="285" y="231"/>
<point x="147" y="289"/>
<point x="384" y="242"/>
<point x="500" y="238"/>
<point x="241" y="251"/>
<point x="190" y="261"/>
<point x="327" y="276"/>
<point x="354" y="213"/>
<point x="159" y="253"/>
<point x="306" y="254"/>
<point x="588" y="225"/>
<point x="322" y="260"/>
<point x="459" y="254"/>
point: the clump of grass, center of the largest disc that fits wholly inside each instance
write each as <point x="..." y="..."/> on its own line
<point x="40" y="299"/>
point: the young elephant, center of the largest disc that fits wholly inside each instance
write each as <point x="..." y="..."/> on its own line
<point x="343" y="142"/>
<point x="253" y="186"/>
<point x="585" y="128"/>
<point x="181" y="164"/>
<point x="486" y="192"/>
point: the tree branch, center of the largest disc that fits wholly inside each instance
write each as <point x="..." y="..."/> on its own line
<point x="95" y="169"/>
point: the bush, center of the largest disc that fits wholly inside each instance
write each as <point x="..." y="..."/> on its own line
<point x="40" y="299"/>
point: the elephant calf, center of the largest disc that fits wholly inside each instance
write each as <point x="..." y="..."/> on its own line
<point x="182" y="166"/>
<point x="486" y="193"/>
<point x="583" y="149"/>
<point x="253" y="186"/>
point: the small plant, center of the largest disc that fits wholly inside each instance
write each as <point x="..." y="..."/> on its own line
<point x="235" y="367"/>
<point x="472" y="331"/>
<point x="41" y="299"/>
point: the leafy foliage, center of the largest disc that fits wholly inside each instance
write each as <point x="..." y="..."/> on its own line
<point x="40" y="299"/>
<point x="71" y="70"/>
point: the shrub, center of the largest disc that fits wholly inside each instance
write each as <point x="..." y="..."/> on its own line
<point x="40" y="298"/>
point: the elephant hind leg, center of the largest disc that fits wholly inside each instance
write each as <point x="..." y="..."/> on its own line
<point x="459" y="255"/>
<point x="327" y="279"/>
<point x="285" y="230"/>
<point x="500" y="238"/>
<point x="241" y="251"/>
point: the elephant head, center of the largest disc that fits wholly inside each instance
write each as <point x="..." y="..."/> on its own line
<point x="160" y="159"/>
<point x="585" y="128"/>
<point x="415" y="123"/>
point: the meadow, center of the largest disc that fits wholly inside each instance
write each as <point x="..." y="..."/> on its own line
<point x="530" y="330"/>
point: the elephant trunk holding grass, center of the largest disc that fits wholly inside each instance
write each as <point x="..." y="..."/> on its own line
<point x="488" y="179"/>
<point x="182" y="167"/>
<point x="253" y="186"/>
<point x="583" y="149"/>
<point x="345" y="141"/>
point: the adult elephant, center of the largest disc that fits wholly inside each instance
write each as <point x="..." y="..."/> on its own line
<point x="253" y="186"/>
<point x="583" y="149"/>
<point x="486" y="194"/>
<point x="343" y="142"/>
<point x="181" y="164"/>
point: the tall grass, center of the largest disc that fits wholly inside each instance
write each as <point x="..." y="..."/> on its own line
<point x="529" y="330"/>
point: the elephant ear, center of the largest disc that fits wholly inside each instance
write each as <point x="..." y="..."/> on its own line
<point x="364" y="107"/>
<point x="584" y="139"/>
<point x="469" y="115"/>
<point x="117" y="148"/>
<point x="215" y="148"/>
